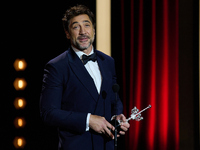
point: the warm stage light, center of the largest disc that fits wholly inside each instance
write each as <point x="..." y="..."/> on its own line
<point x="20" y="84"/>
<point x="19" y="122"/>
<point x="20" y="64"/>
<point x="19" y="142"/>
<point x="19" y="103"/>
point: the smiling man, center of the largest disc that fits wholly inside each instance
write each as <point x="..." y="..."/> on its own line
<point x="81" y="32"/>
<point x="77" y="95"/>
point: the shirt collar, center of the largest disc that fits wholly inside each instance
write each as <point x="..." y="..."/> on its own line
<point x="80" y="53"/>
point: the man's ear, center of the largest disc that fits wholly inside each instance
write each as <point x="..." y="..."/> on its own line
<point x="94" y="31"/>
<point x="67" y="34"/>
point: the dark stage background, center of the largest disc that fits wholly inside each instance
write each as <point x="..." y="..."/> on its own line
<point x="33" y="30"/>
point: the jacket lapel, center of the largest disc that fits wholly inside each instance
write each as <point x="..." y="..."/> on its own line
<point x="105" y="87"/>
<point x="82" y="74"/>
<point x="103" y="70"/>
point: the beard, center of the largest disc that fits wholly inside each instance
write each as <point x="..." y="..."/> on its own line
<point x="79" y="46"/>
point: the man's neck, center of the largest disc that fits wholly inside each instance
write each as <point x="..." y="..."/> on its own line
<point x="80" y="52"/>
<point x="86" y="51"/>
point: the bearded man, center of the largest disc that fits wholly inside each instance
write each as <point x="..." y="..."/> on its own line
<point x="77" y="95"/>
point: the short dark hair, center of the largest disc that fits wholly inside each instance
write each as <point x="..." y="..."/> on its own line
<point x="75" y="11"/>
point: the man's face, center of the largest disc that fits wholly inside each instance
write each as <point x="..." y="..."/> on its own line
<point x="81" y="32"/>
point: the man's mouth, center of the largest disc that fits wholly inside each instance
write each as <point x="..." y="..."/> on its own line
<point x="83" y="38"/>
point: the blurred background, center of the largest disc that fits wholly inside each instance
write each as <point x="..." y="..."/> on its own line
<point x="155" y="45"/>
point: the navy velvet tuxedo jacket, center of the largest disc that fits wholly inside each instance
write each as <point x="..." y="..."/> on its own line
<point x="69" y="94"/>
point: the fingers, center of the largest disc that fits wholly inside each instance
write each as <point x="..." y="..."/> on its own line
<point x="108" y="133"/>
<point x="101" y="125"/>
<point x="124" y="127"/>
<point x="121" y="117"/>
<point x="121" y="133"/>
<point x="108" y="129"/>
<point x="110" y="126"/>
<point x="124" y="124"/>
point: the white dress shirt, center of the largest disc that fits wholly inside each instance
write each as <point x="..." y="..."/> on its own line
<point x="94" y="71"/>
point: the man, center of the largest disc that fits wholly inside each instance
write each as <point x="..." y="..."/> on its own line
<point x="77" y="94"/>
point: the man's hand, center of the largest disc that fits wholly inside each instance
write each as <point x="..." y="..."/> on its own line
<point x="124" y="125"/>
<point x="101" y="125"/>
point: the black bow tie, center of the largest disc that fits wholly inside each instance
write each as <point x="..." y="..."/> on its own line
<point x="86" y="58"/>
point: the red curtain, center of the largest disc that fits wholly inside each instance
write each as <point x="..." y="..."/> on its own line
<point x="149" y="32"/>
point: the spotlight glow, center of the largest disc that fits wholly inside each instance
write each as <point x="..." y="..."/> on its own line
<point x="19" y="103"/>
<point x="20" y="64"/>
<point x="19" y="142"/>
<point x="20" y="84"/>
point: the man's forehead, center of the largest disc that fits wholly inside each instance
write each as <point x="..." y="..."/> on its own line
<point x="80" y="18"/>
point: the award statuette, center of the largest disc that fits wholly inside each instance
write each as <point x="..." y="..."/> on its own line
<point x="135" y="115"/>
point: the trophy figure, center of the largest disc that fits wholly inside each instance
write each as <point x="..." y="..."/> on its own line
<point x="135" y="114"/>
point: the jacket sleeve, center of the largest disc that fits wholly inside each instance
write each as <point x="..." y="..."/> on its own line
<point x="51" y="99"/>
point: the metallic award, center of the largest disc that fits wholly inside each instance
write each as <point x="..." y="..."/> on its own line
<point x="136" y="114"/>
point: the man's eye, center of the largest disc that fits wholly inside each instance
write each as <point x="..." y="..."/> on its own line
<point x="75" y="27"/>
<point x="87" y="25"/>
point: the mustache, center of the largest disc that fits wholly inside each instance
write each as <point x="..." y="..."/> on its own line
<point x="83" y="36"/>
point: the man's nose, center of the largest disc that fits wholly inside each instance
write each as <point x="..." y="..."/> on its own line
<point x="82" y="30"/>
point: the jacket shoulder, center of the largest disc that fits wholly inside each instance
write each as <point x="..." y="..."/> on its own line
<point x="59" y="59"/>
<point x="104" y="56"/>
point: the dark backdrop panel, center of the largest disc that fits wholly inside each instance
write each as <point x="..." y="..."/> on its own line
<point x="31" y="30"/>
